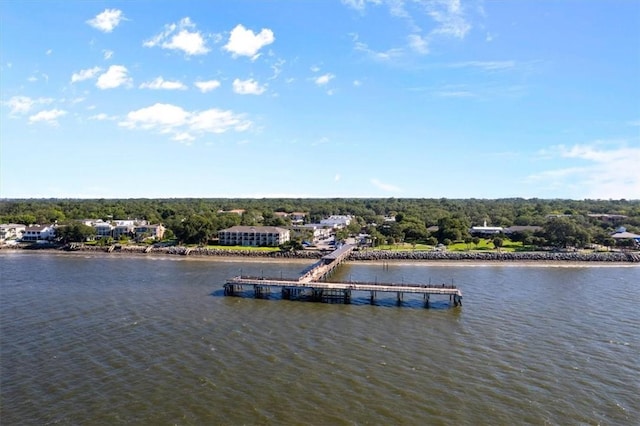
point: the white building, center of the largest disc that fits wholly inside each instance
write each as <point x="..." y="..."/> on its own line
<point x="485" y="230"/>
<point x="337" y="221"/>
<point x="11" y="231"/>
<point x="39" y="233"/>
<point x="255" y="236"/>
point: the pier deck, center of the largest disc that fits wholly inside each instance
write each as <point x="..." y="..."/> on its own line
<point x="308" y="284"/>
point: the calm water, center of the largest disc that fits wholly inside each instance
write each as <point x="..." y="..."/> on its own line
<point x="152" y="341"/>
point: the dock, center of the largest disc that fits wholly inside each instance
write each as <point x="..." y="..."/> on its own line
<point x="310" y="287"/>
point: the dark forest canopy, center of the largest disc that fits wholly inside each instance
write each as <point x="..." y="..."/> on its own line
<point x="498" y="212"/>
<point x="413" y="215"/>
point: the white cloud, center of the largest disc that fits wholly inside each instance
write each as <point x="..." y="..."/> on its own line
<point x="85" y="74"/>
<point x="161" y="84"/>
<point x="244" y="42"/>
<point x="337" y="177"/>
<point x="324" y="79"/>
<point x="381" y="56"/>
<point x="49" y="116"/>
<point x="247" y="87"/>
<point x="181" y="36"/>
<point x="207" y="86"/>
<point x="419" y="44"/>
<point x="116" y="76"/>
<point x="182" y="124"/>
<point x="101" y="117"/>
<point x="357" y="83"/>
<point x="49" y="52"/>
<point x="107" y="54"/>
<point x="107" y="20"/>
<point x="601" y="170"/>
<point x="359" y="4"/>
<point x="385" y="186"/>
<point x="449" y="19"/>
<point x="217" y="121"/>
<point x="23" y="104"/>
<point x="485" y="65"/>
<point x="449" y="15"/>
<point x="184" y="138"/>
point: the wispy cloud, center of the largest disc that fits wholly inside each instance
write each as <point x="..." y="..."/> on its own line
<point x="107" y="20"/>
<point x="485" y="65"/>
<point x="445" y="18"/>
<point x="379" y="56"/>
<point x="160" y="83"/>
<point x="50" y="116"/>
<point x="244" y="42"/>
<point x="180" y="36"/>
<point x="602" y="170"/>
<point x="385" y="186"/>
<point x="24" y="104"/>
<point x="85" y="74"/>
<point x="101" y="117"/>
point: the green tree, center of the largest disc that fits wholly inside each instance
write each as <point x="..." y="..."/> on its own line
<point x="497" y="243"/>
<point x="75" y="233"/>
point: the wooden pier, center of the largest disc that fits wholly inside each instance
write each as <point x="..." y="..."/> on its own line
<point x="308" y="286"/>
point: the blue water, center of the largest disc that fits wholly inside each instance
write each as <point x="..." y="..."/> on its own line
<point x="106" y="339"/>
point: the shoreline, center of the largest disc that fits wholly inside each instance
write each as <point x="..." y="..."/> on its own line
<point x="372" y="257"/>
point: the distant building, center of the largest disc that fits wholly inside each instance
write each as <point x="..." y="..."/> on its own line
<point x="522" y="228"/>
<point x="39" y="233"/>
<point x="239" y="212"/>
<point x="485" y="230"/>
<point x="337" y="221"/>
<point x="11" y="231"/>
<point x="103" y="229"/>
<point x="155" y="232"/>
<point x="611" y="218"/>
<point x="319" y="232"/>
<point x="254" y="236"/>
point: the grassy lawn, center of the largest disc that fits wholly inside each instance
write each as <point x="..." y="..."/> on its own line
<point x="403" y="247"/>
<point x="244" y="248"/>
<point x="483" y="245"/>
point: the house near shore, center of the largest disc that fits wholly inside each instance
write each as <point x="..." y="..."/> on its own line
<point x="622" y="234"/>
<point x="154" y="232"/>
<point x="254" y="236"/>
<point x="37" y="233"/>
<point x="11" y="231"/>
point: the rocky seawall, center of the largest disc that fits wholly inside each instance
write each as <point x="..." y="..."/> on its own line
<point x="375" y="255"/>
<point x="363" y="255"/>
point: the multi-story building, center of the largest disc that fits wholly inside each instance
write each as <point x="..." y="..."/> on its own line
<point x="255" y="236"/>
<point x="155" y="232"/>
<point x="39" y="233"/>
<point x="103" y="229"/>
<point x="11" y="231"/>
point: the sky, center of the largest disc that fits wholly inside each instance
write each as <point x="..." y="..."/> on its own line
<point x="320" y="98"/>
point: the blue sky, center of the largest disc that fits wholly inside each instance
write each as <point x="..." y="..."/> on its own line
<point x="357" y="98"/>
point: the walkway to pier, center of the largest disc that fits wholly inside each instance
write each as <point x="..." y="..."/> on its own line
<point x="308" y="284"/>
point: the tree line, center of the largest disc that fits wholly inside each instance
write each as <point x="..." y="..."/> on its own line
<point x="417" y="220"/>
